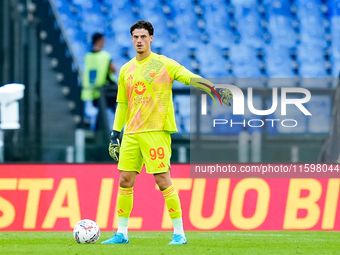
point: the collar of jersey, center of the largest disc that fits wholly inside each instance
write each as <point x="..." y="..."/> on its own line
<point x="144" y="60"/>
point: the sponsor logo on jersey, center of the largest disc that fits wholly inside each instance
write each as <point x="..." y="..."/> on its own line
<point x="152" y="73"/>
<point x="140" y="88"/>
<point x="141" y="100"/>
<point x="172" y="210"/>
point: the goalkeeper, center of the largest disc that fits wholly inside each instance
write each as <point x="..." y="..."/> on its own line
<point x="145" y="107"/>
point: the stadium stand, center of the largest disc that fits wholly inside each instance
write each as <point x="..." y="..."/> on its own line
<point x="251" y="26"/>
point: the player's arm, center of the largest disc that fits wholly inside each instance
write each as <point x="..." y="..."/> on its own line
<point x="112" y="67"/>
<point x="111" y="72"/>
<point x="120" y="117"/>
<point x="181" y="74"/>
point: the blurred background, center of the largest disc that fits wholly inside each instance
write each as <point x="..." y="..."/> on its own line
<point x="43" y="44"/>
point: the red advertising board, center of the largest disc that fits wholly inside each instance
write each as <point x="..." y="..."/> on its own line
<point x="55" y="197"/>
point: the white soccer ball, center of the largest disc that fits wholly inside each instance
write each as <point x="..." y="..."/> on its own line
<point x="86" y="231"/>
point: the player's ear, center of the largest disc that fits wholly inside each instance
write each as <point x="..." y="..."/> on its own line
<point x="151" y="37"/>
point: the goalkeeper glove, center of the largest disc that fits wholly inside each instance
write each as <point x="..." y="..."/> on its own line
<point x="114" y="145"/>
<point x="225" y="95"/>
<point x="208" y="87"/>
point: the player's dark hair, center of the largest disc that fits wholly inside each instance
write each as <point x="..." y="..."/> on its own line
<point x="142" y="24"/>
<point x="96" y="37"/>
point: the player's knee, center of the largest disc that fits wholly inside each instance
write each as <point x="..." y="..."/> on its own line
<point x="125" y="183"/>
<point x="163" y="181"/>
<point x="126" y="180"/>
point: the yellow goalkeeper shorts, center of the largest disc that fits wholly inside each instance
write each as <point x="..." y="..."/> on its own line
<point x="150" y="148"/>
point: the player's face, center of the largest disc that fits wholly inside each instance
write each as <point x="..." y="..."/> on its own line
<point x="141" y="40"/>
<point x="101" y="42"/>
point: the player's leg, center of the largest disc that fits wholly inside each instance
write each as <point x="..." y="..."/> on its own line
<point x="156" y="151"/>
<point x="125" y="200"/>
<point x="130" y="164"/>
<point x="173" y="204"/>
<point x="125" y="203"/>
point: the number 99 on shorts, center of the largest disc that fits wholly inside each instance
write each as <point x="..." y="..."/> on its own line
<point x="156" y="153"/>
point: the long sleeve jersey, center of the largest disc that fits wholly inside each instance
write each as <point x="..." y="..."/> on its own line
<point x="146" y="88"/>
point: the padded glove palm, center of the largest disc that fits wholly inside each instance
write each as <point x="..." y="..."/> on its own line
<point x="114" y="145"/>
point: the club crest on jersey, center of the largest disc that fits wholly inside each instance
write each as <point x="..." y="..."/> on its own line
<point x="152" y="73"/>
<point x="140" y="88"/>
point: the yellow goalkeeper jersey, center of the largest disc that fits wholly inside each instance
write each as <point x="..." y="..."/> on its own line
<point x="146" y="87"/>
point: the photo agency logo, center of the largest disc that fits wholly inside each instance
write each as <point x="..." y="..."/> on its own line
<point x="238" y="106"/>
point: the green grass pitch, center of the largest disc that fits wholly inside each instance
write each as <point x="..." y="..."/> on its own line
<point x="231" y="242"/>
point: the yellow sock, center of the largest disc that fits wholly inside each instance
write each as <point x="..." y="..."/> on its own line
<point x="125" y="204"/>
<point x="174" y="208"/>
